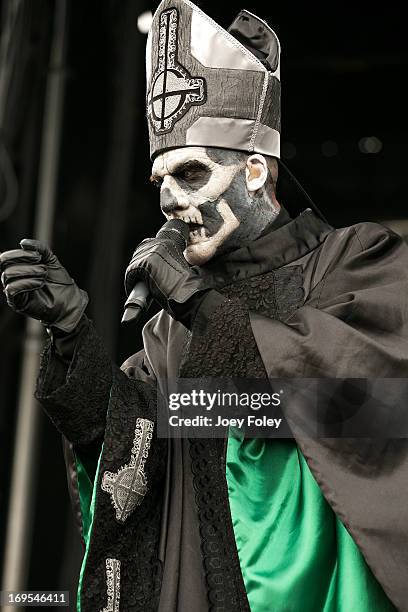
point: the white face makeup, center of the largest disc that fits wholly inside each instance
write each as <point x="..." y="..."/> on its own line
<point x="207" y="189"/>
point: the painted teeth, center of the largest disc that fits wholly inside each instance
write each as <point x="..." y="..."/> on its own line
<point x="197" y="232"/>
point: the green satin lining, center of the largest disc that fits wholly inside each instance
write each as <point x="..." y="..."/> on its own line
<point x="87" y="480"/>
<point x="85" y="488"/>
<point x="295" y="554"/>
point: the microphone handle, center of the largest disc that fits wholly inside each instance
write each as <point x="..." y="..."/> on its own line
<point x="137" y="302"/>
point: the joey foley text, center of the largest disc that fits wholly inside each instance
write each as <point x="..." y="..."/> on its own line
<point x="220" y="400"/>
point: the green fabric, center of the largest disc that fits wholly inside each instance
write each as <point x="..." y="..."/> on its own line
<point x="87" y="498"/>
<point x="85" y="487"/>
<point x="295" y="554"/>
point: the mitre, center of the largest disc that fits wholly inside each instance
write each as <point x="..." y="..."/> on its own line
<point x="210" y="87"/>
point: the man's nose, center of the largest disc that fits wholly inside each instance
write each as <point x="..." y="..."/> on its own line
<point x="169" y="203"/>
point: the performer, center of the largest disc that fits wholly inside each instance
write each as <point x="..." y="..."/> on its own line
<point x="230" y="524"/>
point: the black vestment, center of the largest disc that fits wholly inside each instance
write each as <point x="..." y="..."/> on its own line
<point x="302" y="301"/>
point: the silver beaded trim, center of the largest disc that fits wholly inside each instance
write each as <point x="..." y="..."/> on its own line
<point x="128" y="486"/>
<point x="259" y="114"/>
<point x="112" y="585"/>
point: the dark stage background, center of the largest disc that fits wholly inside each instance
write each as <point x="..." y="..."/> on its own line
<point x="343" y="131"/>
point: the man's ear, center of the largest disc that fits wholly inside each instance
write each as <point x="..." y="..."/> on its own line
<point x="256" y="173"/>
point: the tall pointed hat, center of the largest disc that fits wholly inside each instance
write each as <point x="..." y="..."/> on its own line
<point x="210" y="87"/>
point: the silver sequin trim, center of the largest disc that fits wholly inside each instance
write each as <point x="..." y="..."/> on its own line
<point x="128" y="486"/>
<point x="112" y="585"/>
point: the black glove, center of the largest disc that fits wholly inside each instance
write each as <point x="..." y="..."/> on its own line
<point x="159" y="262"/>
<point x="36" y="284"/>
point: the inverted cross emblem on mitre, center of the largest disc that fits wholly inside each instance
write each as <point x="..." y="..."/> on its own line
<point x="173" y="90"/>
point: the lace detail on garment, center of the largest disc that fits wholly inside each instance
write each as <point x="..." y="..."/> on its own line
<point x="225" y="587"/>
<point x="94" y="401"/>
<point x="227" y="348"/>
<point x="275" y="295"/>
<point x="76" y="398"/>
<point x="135" y="543"/>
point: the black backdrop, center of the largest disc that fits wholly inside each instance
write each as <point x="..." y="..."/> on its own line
<point x="343" y="74"/>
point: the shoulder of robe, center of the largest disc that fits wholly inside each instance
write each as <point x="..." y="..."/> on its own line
<point x="357" y="238"/>
<point x="356" y="246"/>
<point x="370" y="234"/>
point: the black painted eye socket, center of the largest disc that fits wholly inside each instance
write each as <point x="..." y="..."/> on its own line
<point x="187" y="175"/>
<point x="194" y="173"/>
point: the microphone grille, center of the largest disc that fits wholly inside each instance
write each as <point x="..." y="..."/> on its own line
<point x="175" y="230"/>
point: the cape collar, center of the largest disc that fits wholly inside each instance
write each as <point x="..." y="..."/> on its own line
<point x="286" y="240"/>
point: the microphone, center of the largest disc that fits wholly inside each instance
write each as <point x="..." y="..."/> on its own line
<point x="139" y="299"/>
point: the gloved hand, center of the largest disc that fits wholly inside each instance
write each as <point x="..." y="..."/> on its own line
<point x="159" y="262"/>
<point x="36" y="284"/>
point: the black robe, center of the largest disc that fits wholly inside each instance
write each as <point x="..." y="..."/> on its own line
<point x="303" y="300"/>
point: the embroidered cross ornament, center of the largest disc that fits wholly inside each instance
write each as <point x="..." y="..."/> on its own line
<point x="128" y="486"/>
<point x="173" y="90"/>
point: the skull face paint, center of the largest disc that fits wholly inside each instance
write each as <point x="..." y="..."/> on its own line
<point x="206" y="188"/>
